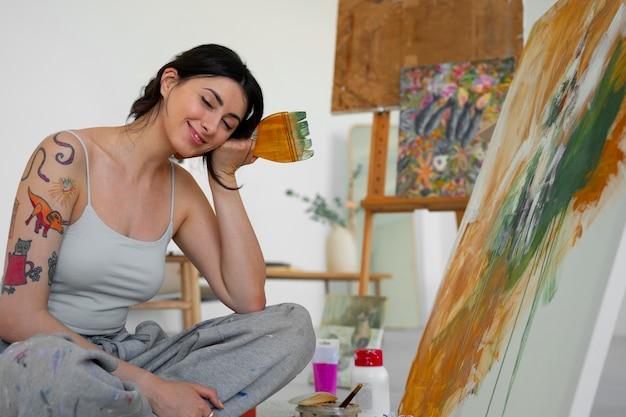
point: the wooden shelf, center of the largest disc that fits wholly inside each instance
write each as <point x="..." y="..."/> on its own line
<point x="393" y="204"/>
<point x="190" y="297"/>
<point x="289" y="273"/>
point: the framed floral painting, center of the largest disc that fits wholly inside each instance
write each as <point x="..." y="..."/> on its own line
<point x="443" y="108"/>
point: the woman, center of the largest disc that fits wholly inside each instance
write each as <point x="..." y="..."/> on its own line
<point x="93" y="215"/>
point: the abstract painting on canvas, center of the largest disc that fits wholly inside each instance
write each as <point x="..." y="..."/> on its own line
<point x="515" y="314"/>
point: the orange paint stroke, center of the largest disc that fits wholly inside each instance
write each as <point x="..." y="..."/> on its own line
<point x="612" y="156"/>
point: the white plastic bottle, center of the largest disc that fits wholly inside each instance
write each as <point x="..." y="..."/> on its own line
<point x="368" y="370"/>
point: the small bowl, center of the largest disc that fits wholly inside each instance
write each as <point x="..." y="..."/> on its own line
<point x="328" y="410"/>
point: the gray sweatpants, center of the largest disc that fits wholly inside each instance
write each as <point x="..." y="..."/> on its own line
<point x="245" y="357"/>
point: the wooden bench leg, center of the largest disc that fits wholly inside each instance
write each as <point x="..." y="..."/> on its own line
<point x="186" y="294"/>
<point x="194" y="284"/>
<point x="366" y="253"/>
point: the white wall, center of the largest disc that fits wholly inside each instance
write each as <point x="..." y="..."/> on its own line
<point x="72" y="64"/>
<point x="435" y="233"/>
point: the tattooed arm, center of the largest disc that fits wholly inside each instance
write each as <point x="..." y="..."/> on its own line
<point x="48" y="192"/>
<point x="44" y="201"/>
<point x="50" y="189"/>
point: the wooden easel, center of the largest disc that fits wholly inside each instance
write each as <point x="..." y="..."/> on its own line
<point x="376" y="202"/>
<point x="375" y="39"/>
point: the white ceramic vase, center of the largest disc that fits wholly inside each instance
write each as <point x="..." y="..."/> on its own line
<point x="341" y="254"/>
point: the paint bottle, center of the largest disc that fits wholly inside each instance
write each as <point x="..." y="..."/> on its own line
<point x="325" y="361"/>
<point x="373" y="399"/>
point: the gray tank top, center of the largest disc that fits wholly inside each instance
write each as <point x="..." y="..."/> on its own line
<point x="100" y="272"/>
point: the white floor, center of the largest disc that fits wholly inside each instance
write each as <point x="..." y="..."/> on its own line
<point x="400" y="347"/>
<point x="611" y="396"/>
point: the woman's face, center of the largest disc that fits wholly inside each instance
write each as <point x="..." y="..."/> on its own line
<point x="200" y="113"/>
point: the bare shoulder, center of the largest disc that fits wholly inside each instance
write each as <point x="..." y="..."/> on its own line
<point x="187" y="187"/>
<point x="189" y="194"/>
<point x="58" y="154"/>
<point x="55" y="173"/>
<point x="94" y="138"/>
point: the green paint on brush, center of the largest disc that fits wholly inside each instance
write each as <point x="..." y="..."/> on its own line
<point x="298" y="116"/>
<point x="300" y="131"/>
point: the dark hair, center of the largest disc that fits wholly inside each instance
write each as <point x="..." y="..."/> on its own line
<point x="208" y="60"/>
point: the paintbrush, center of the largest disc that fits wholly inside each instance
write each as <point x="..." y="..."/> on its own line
<point x="350" y="396"/>
<point x="316" y="398"/>
<point x="283" y="137"/>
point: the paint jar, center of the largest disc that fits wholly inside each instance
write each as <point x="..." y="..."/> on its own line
<point x="369" y="371"/>
<point x="325" y="361"/>
<point x="328" y="410"/>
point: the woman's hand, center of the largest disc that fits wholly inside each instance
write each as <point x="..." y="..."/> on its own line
<point x="233" y="154"/>
<point x="181" y="399"/>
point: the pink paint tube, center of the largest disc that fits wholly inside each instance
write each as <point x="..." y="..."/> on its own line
<point x="325" y="362"/>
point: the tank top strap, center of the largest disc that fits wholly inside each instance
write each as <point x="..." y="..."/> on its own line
<point x="86" y="164"/>
<point x="173" y="191"/>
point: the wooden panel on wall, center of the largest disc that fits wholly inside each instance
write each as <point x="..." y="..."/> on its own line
<point x="367" y="54"/>
<point x="375" y="38"/>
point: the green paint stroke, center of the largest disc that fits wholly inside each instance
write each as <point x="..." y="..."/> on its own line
<point x="580" y="159"/>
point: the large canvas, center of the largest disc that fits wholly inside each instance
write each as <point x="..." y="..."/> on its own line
<point x="443" y="107"/>
<point x="516" y="313"/>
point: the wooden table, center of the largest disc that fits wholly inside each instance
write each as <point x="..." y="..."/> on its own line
<point x="289" y="273"/>
<point x="189" y="301"/>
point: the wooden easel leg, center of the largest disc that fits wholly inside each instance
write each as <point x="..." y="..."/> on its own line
<point x="366" y="253"/>
<point x="459" y="217"/>
<point x="375" y="187"/>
